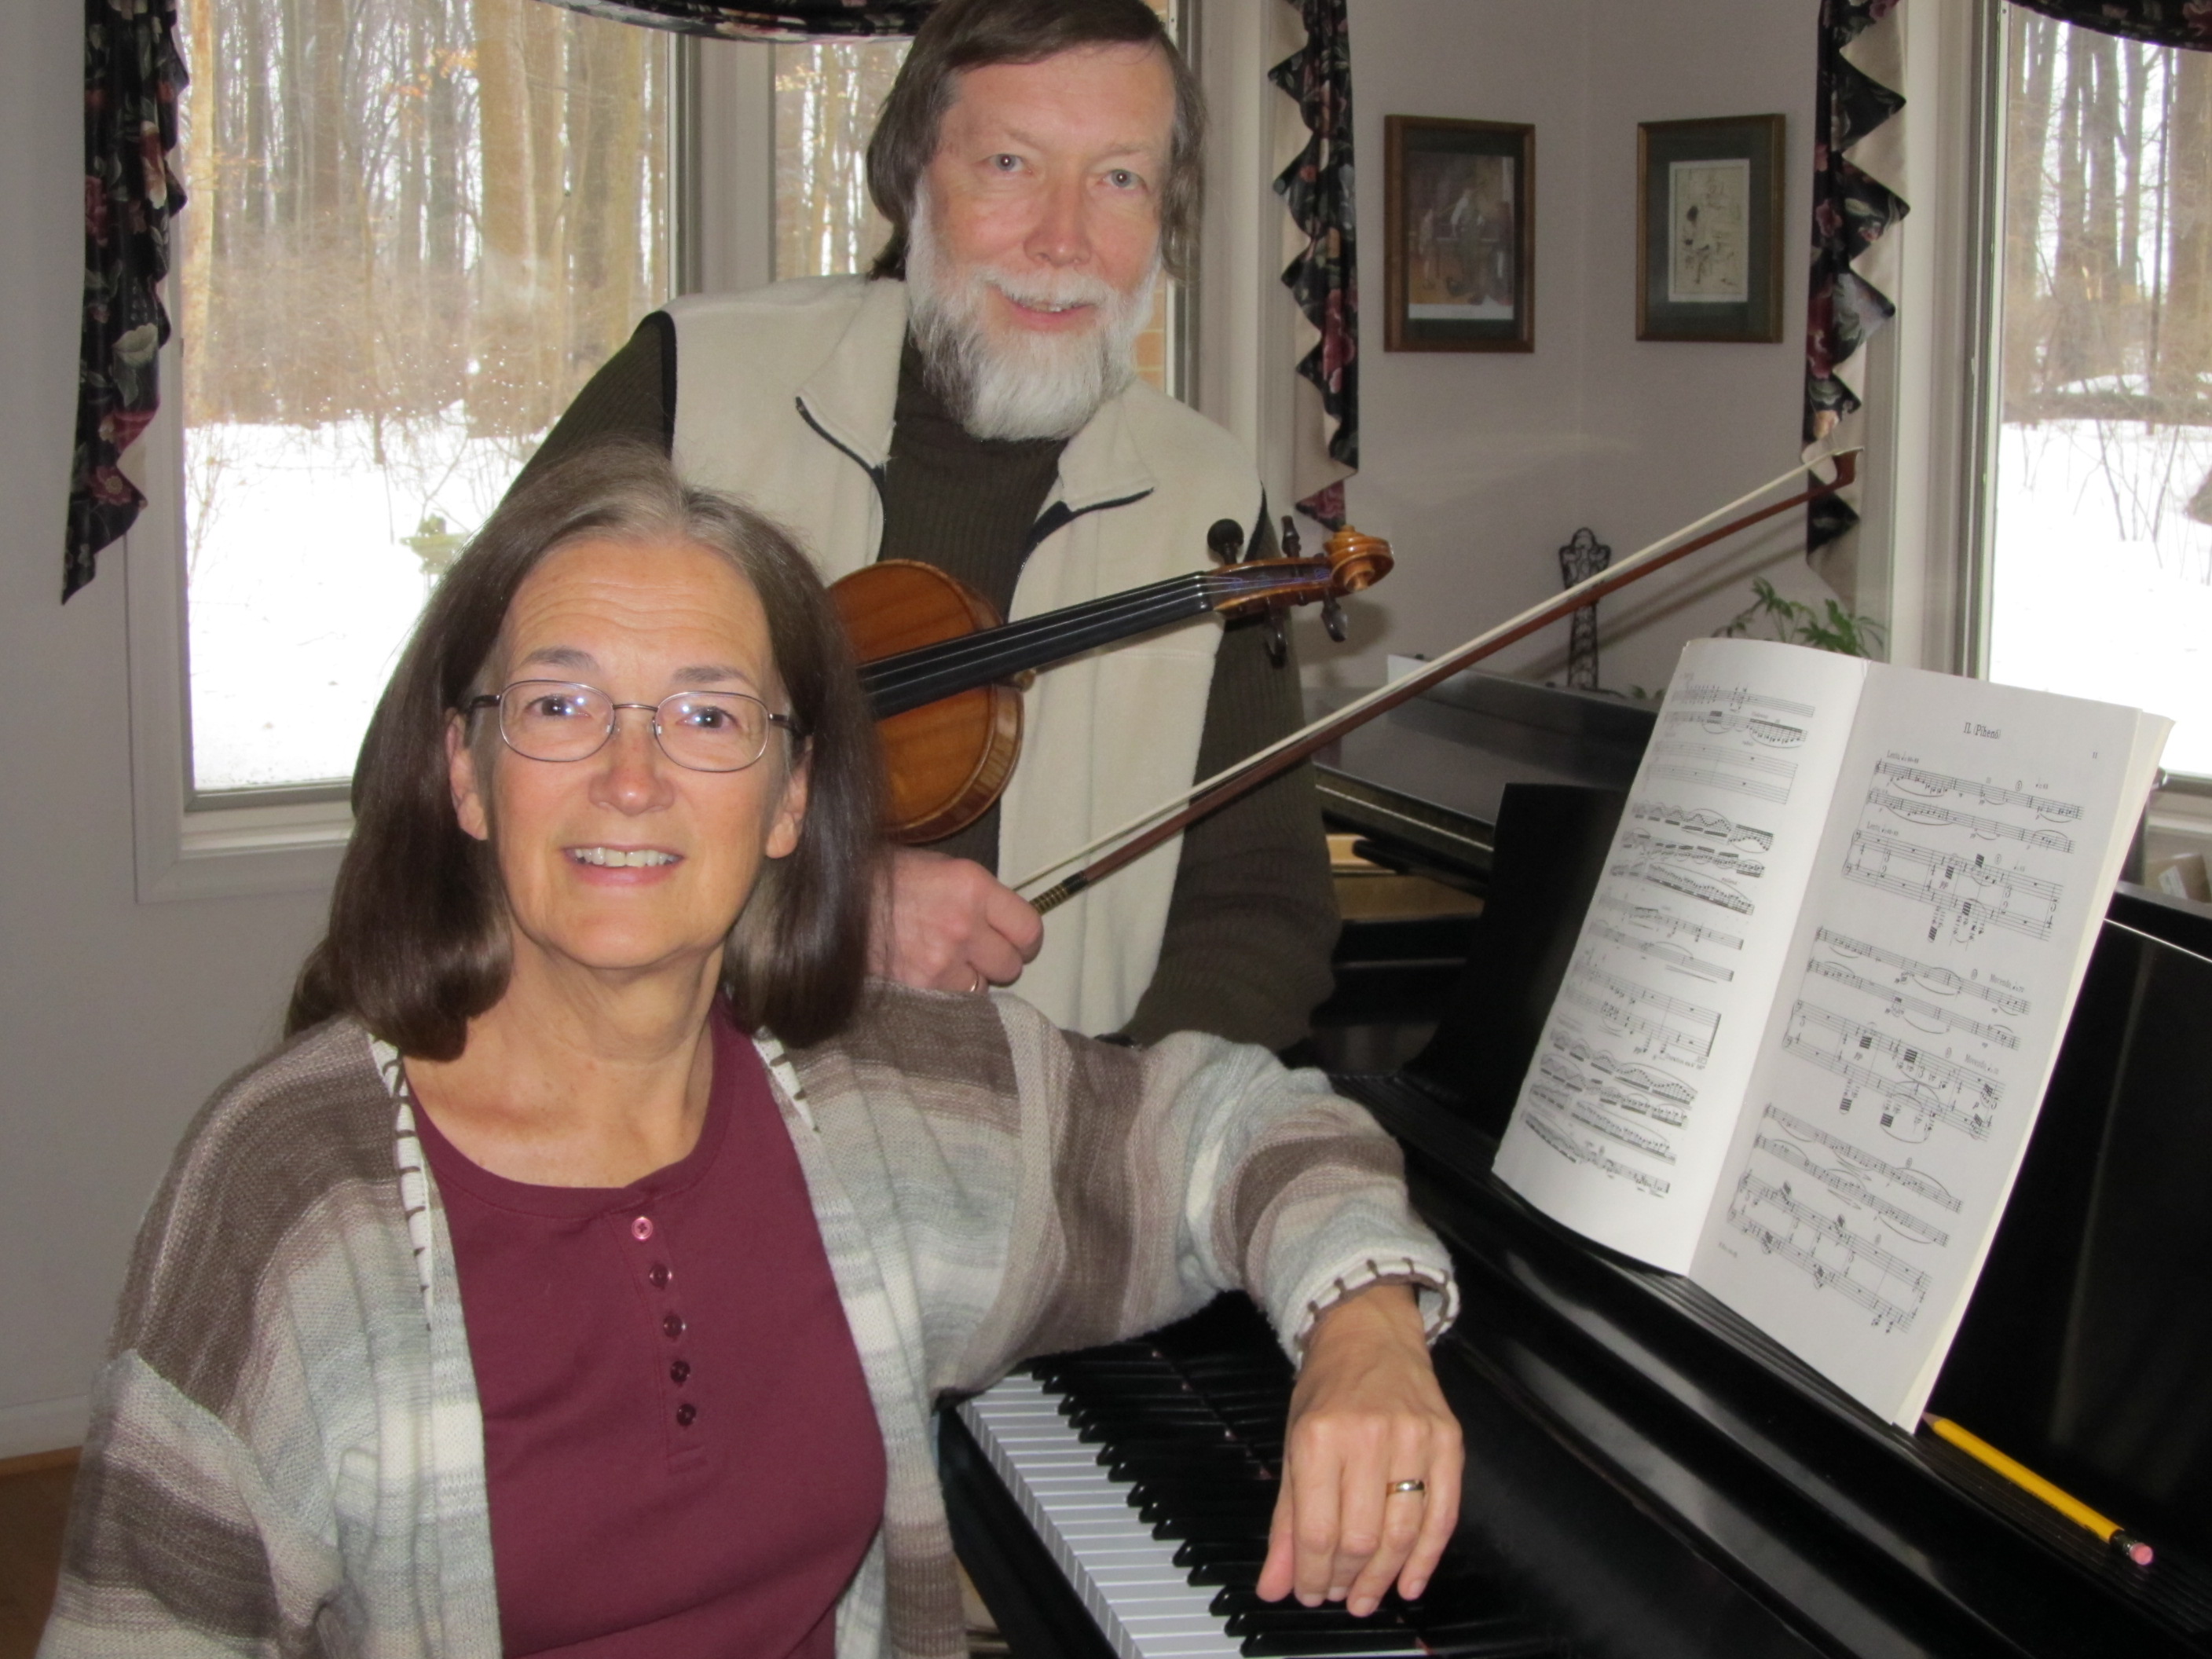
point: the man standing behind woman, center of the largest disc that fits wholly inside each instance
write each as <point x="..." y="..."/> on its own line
<point x="971" y="404"/>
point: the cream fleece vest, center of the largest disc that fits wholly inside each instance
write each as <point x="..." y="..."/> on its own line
<point x="786" y="397"/>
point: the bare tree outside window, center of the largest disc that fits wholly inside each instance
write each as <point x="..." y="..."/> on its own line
<point x="2102" y="579"/>
<point x="416" y="228"/>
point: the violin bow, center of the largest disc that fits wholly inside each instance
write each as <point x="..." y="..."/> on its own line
<point x="1212" y="793"/>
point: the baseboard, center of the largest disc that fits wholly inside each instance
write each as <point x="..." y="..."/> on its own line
<point x="41" y="1425"/>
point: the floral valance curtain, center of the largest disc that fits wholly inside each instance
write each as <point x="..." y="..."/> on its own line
<point x="132" y="75"/>
<point x="775" y="20"/>
<point x="2160" y="22"/>
<point x="1317" y="188"/>
<point x="1857" y="148"/>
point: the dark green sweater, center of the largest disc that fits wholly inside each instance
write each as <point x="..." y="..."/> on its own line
<point x="1253" y="916"/>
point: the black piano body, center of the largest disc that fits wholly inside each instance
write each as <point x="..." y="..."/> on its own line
<point x="1657" y="1478"/>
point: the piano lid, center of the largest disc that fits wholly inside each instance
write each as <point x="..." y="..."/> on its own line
<point x="1429" y="773"/>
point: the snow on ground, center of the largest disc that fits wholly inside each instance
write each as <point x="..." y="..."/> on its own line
<point x="2102" y="585"/>
<point x="302" y="591"/>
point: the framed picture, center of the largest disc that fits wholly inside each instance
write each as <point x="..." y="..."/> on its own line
<point x="1709" y="229"/>
<point x="1459" y="265"/>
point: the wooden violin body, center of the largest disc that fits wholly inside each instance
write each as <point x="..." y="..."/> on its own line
<point x="944" y="673"/>
<point x="945" y="760"/>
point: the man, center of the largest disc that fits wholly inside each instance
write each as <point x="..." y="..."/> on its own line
<point x="971" y="405"/>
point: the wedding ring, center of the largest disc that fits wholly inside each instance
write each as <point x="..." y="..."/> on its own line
<point x="981" y="985"/>
<point x="1397" y="1486"/>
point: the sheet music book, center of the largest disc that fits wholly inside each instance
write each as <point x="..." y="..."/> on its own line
<point x="1821" y="989"/>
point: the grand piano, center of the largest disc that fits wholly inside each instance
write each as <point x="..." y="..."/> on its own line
<point x="1647" y="1474"/>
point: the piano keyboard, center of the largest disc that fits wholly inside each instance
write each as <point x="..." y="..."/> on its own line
<point x="1150" y="1478"/>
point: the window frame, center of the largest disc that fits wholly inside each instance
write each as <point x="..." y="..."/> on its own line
<point x="191" y="844"/>
<point x="195" y="844"/>
<point x="1932" y="429"/>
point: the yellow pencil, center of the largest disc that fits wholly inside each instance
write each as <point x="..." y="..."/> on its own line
<point x="2035" y="1486"/>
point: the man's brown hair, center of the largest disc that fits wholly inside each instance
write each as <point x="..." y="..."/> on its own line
<point x="418" y="942"/>
<point x="965" y="34"/>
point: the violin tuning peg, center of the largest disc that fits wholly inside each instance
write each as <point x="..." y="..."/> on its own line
<point x="1224" y="539"/>
<point x="1290" y="544"/>
<point x="1331" y="618"/>
<point x="1278" y="642"/>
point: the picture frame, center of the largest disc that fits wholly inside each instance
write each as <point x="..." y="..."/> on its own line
<point x="1709" y="229"/>
<point x="1459" y="264"/>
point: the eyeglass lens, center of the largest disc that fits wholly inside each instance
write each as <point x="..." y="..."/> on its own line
<point x="704" y="731"/>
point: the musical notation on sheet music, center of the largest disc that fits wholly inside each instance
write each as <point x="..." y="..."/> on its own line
<point x="1915" y="1181"/>
<point x="1846" y="1185"/>
<point x="1912" y="1009"/>
<point x="1565" y="1073"/>
<point x="1667" y="923"/>
<point x="1707" y="891"/>
<point x="1933" y="785"/>
<point x="1703" y="821"/>
<point x="1666" y="951"/>
<point x="1635" y="1074"/>
<point x="1557" y="1137"/>
<point x="1669" y="1027"/>
<point x="1713" y="858"/>
<point x="1735" y="699"/>
<point x="1914" y="810"/>
<point x="1828" y="1251"/>
<point x="1762" y="729"/>
<point x="1719" y="766"/>
<point x="1930" y="976"/>
<point x="1917" y="1088"/>
<point x="1971" y="892"/>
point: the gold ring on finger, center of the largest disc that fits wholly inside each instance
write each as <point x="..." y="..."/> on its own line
<point x="1397" y="1486"/>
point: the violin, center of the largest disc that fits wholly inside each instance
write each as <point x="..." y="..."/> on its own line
<point x="945" y="673"/>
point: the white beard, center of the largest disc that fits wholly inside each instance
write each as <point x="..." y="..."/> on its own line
<point x="1021" y="384"/>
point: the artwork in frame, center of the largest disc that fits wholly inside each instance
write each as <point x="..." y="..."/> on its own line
<point x="1709" y="229"/>
<point x="1459" y="263"/>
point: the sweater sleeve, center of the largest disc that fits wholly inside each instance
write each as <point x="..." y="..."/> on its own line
<point x="1253" y="917"/>
<point x="1156" y="1178"/>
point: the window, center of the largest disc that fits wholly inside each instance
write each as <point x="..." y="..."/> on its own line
<point x="2099" y="573"/>
<point x="416" y="227"/>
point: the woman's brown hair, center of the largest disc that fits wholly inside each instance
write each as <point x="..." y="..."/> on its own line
<point x="418" y="942"/>
<point x="966" y="34"/>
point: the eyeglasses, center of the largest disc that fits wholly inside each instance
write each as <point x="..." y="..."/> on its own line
<point x="700" y="731"/>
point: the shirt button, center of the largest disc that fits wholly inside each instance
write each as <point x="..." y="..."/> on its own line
<point x="641" y="1228"/>
<point x="680" y="1372"/>
<point x="684" y="1414"/>
<point x="671" y="1326"/>
<point x="658" y="1272"/>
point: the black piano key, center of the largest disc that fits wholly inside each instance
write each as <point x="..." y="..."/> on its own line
<point x="1319" y="1643"/>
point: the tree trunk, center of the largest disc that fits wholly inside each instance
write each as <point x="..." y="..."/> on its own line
<point x="2185" y="345"/>
<point x="499" y="400"/>
<point x="606" y="125"/>
<point x="2027" y="308"/>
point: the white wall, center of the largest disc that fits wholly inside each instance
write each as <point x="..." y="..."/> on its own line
<point x="1480" y="465"/>
<point x="116" y="1019"/>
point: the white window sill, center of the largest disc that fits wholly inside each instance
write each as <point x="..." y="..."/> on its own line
<point x="204" y="849"/>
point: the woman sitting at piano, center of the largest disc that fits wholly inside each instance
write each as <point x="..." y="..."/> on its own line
<point x="581" y="1274"/>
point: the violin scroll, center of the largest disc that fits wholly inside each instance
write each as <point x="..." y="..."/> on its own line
<point x="1356" y="560"/>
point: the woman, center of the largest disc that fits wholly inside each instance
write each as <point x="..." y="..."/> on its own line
<point x="524" y="1302"/>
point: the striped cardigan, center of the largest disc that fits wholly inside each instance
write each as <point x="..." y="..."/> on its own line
<point x="287" y="1454"/>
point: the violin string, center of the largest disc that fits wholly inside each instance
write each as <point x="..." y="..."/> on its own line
<point x="991" y="641"/>
<point x="1460" y="653"/>
<point x="1166" y="597"/>
<point x="965" y="651"/>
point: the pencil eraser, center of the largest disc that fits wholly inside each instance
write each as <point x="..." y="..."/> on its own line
<point x="2136" y="1550"/>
